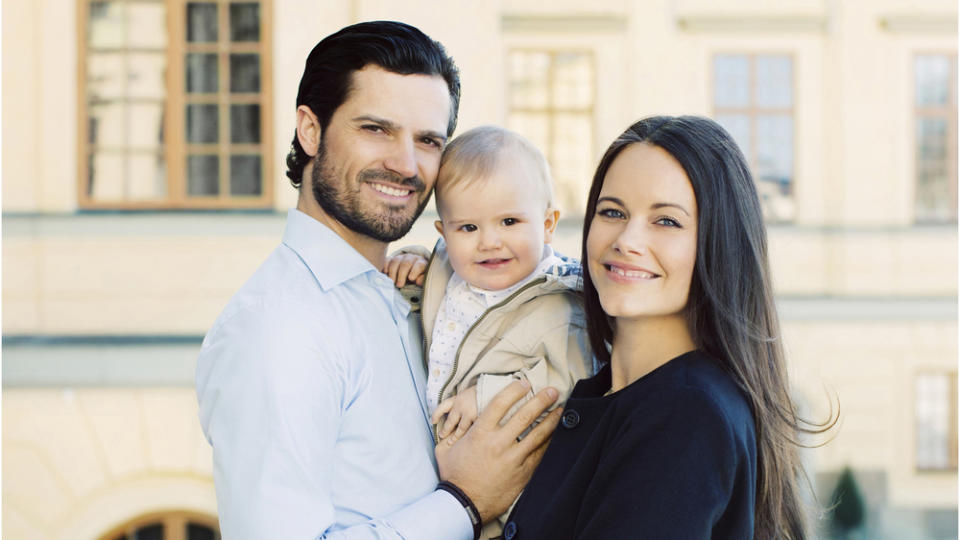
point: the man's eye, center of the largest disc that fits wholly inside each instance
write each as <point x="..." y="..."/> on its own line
<point x="432" y="142"/>
<point x="373" y="128"/>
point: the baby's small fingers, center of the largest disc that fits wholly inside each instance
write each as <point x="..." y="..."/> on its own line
<point x="463" y="426"/>
<point x="450" y="423"/>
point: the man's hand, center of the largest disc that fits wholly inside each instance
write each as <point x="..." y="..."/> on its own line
<point x="488" y="463"/>
<point x="461" y="411"/>
<point x="404" y="268"/>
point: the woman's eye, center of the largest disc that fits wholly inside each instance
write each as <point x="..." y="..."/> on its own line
<point x="510" y="221"/>
<point x="610" y="213"/>
<point x="668" y="222"/>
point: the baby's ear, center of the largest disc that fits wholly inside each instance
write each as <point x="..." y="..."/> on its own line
<point x="550" y="219"/>
<point x="439" y="226"/>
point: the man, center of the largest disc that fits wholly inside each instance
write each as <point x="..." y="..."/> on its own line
<point x="310" y="384"/>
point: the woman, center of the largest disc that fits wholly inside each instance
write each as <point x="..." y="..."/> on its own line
<point x="688" y="431"/>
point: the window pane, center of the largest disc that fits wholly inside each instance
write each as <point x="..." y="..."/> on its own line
<point x="773" y="85"/>
<point x="244" y="73"/>
<point x="203" y="175"/>
<point x="572" y="161"/>
<point x="201" y="22"/>
<point x="534" y="126"/>
<point x="106" y="25"/>
<point x="199" y="532"/>
<point x="148" y="177"/>
<point x="107" y="124"/>
<point x="106" y="176"/>
<point x="933" y="421"/>
<point x="146" y="78"/>
<point x="245" y="124"/>
<point x="146" y="125"/>
<point x="106" y="76"/>
<point x="147" y="24"/>
<point x="739" y="127"/>
<point x="150" y="532"/>
<point x="933" y="198"/>
<point x="244" y="22"/>
<point x="202" y="73"/>
<point x="774" y="165"/>
<point x="245" y="175"/>
<point x="529" y="77"/>
<point x="573" y="80"/>
<point x="932" y="79"/>
<point x="203" y="123"/>
<point x="731" y="81"/>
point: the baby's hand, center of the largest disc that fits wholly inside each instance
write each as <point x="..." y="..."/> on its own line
<point x="404" y="268"/>
<point x="461" y="411"/>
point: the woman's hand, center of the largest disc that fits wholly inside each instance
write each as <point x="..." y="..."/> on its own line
<point x="489" y="463"/>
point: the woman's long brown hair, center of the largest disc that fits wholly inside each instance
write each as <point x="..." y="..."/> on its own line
<point x="730" y="310"/>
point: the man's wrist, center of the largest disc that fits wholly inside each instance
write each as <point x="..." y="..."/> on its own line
<point x="467" y="504"/>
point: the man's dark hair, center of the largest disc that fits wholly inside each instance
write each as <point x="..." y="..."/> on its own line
<point x="393" y="46"/>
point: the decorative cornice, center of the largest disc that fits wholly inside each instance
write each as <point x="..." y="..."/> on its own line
<point x="767" y="24"/>
<point x="575" y="24"/>
<point x="926" y="24"/>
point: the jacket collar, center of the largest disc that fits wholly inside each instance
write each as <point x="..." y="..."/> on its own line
<point x="329" y="257"/>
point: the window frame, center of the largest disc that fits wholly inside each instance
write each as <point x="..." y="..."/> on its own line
<point x="949" y="112"/>
<point x="550" y="111"/>
<point x="174" y="524"/>
<point x="174" y="146"/>
<point x="752" y="112"/>
<point x="952" y="435"/>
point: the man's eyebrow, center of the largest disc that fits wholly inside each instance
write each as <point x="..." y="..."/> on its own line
<point x="389" y="124"/>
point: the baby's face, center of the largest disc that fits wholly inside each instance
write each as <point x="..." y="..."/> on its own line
<point x="495" y="228"/>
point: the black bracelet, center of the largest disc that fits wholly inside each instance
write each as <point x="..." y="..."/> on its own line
<point x="468" y="505"/>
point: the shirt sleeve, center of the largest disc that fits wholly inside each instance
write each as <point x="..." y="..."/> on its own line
<point x="271" y="397"/>
<point x="671" y="474"/>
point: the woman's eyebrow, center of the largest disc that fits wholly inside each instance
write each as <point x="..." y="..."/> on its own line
<point x="656" y="206"/>
<point x="614" y="200"/>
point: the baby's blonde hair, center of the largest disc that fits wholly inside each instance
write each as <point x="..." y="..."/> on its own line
<point x="475" y="154"/>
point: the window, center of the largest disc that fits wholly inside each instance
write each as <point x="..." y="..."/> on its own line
<point x="173" y="104"/>
<point x="935" y="111"/>
<point x="551" y="97"/>
<point x="753" y="100"/>
<point x="936" y="421"/>
<point x="167" y="526"/>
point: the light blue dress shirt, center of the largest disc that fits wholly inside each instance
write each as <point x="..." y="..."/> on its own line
<point x="311" y="395"/>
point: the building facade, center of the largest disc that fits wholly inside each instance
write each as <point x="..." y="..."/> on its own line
<point x="143" y="182"/>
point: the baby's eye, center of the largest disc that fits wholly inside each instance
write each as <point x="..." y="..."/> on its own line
<point x="467" y="227"/>
<point x="610" y="213"/>
<point x="510" y="221"/>
<point x="668" y="222"/>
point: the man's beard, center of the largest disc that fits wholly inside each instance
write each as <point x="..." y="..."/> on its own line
<point x="342" y="204"/>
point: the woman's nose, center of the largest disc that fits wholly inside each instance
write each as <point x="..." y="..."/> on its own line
<point x="632" y="240"/>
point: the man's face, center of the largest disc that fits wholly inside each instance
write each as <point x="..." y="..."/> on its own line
<point x="378" y="158"/>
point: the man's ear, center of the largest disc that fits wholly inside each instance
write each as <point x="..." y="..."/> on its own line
<point x="439" y="226"/>
<point x="308" y="130"/>
<point x="550" y="219"/>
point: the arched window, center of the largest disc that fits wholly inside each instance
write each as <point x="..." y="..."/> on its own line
<point x="177" y="525"/>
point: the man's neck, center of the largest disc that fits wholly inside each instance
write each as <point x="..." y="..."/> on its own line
<point x="373" y="250"/>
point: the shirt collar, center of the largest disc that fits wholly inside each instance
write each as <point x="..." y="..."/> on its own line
<point x="329" y="257"/>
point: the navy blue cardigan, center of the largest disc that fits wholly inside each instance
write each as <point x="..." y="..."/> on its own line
<point x="672" y="455"/>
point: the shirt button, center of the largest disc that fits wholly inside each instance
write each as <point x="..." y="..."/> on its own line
<point x="510" y="531"/>
<point x="570" y="419"/>
<point x="452" y="326"/>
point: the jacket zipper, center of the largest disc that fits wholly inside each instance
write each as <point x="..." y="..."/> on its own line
<point x="456" y="357"/>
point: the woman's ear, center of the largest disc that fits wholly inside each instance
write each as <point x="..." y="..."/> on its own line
<point x="308" y="130"/>
<point x="550" y="219"/>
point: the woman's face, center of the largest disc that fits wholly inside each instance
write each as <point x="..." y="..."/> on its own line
<point x="642" y="243"/>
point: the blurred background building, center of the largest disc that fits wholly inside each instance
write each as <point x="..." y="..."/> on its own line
<point x="143" y="146"/>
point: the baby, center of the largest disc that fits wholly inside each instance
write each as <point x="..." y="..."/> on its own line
<point x="498" y="303"/>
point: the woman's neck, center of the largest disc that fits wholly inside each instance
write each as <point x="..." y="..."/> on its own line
<point x="642" y="345"/>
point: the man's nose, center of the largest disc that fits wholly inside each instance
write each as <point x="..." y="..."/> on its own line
<point x="402" y="159"/>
